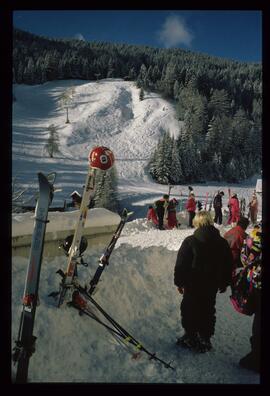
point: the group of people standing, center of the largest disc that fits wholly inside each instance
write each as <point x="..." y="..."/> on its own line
<point x="206" y="264"/>
<point x="163" y="212"/>
<point x="234" y="208"/>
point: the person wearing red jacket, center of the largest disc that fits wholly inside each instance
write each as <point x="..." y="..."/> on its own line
<point x="172" y="220"/>
<point x="235" y="238"/>
<point x="191" y="208"/>
<point x="234" y="210"/>
<point x="253" y="208"/>
<point x="152" y="216"/>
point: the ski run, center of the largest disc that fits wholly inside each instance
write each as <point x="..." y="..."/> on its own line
<point x="136" y="289"/>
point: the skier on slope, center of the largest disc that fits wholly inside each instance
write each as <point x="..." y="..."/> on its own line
<point x="253" y="208"/>
<point x="151" y="215"/>
<point x="203" y="267"/>
<point x="172" y="220"/>
<point x="218" y="207"/>
<point x="191" y="208"/>
<point x="234" y="210"/>
<point x="160" y="207"/>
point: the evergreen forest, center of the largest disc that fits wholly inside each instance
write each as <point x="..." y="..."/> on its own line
<point x="219" y="100"/>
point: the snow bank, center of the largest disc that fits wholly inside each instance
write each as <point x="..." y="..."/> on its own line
<point x="137" y="290"/>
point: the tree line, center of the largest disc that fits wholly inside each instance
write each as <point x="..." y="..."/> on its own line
<point x="219" y="100"/>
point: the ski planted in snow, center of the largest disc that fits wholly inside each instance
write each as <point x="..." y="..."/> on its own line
<point x="104" y="259"/>
<point x="99" y="158"/>
<point x="242" y="207"/>
<point x="211" y="203"/>
<point x="169" y="189"/>
<point x="206" y="201"/>
<point x="25" y="345"/>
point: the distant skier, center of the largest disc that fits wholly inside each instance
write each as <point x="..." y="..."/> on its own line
<point x="218" y="207"/>
<point x="234" y="210"/>
<point x="171" y="209"/>
<point x="152" y="216"/>
<point x="203" y="267"/>
<point x="160" y="207"/>
<point x="253" y="208"/>
<point x="191" y="208"/>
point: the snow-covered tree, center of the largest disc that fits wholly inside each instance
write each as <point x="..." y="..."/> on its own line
<point x="141" y="95"/>
<point x="106" y="195"/>
<point x="66" y="99"/>
<point x="52" y="145"/>
<point x="176" y="175"/>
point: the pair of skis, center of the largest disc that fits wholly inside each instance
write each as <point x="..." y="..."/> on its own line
<point x="99" y="158"/>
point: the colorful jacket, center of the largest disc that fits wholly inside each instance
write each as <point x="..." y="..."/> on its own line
<point x="235" y="238"/>
<point x="151" y="216"/>
<point x="191" y="204"/>
<point x="235" y="209"/>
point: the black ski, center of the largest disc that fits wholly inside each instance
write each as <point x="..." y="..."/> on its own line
<point x="25" y="345"/>
<point x="104" y="259"/>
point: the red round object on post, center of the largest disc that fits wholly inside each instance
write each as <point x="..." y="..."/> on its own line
<point x="101" y="158"/>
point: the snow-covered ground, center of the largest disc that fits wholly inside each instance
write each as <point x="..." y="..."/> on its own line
<point x="137" y="287"/>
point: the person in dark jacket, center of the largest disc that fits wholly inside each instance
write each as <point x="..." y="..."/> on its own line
<point x="218" y="207"/>
<point x="203" y="267"/>
<point x="160" y="207"/>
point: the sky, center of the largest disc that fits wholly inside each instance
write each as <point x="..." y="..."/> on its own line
<point x="230" y="34"/>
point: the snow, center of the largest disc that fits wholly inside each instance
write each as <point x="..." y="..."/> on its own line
<point x="137" y="288"/>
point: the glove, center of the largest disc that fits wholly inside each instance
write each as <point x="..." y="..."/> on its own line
<point x="222" y="289"/>
<point x="181" y="290"/>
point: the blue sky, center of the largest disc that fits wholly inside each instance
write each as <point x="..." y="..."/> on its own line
<point x="228" y="34"/>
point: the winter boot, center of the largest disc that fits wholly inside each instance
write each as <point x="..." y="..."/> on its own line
<point x="204" y="344"/>
<point x="249" y="362"/>
<point x="188" y="341"/>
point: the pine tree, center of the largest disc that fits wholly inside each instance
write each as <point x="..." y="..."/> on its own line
<point x="176" y="175"/>
<point x="106" y="195"/>
<point x="219" y="103"/>
<point x="141" y="96"/>
<point x="52" y="145"/>
<point x="66" y="99"/>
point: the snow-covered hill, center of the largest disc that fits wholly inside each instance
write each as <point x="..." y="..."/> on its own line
<point x="137" y="287"/>
<point x="107" y="113"/>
